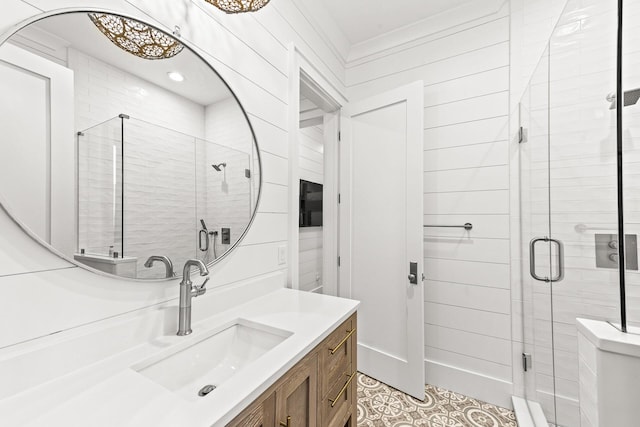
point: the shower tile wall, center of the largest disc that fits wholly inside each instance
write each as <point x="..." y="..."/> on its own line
<point x="583" y="182"/>
<point x="631" y="121"/>
<point x="104" y="91"/>
<point x="159" y="196"/>
<point x="227" y="196"/>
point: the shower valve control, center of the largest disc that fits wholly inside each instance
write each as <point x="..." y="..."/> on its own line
<point x="607" y="251"/>
<point x="226" y="236"/>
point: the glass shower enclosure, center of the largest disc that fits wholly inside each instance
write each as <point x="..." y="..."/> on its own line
<point x="568" y="197"/>
<point x="145" y="190"/>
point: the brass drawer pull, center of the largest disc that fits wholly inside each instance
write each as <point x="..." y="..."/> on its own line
<point x="287" y="424"/>
<point x="344" y="340"/>
<point x="344" y="388"/>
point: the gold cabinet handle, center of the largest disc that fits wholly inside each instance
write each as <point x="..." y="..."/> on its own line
<point x="287" y="423"/>
<point x="344" y="340"/>
<point x="342" y="390"/>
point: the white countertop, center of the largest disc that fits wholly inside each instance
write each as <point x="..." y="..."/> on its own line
<point x="110" y="393"/>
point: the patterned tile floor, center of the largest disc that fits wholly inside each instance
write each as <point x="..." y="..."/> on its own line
<point x="382" y="406"/>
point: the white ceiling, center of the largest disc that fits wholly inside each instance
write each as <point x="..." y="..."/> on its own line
<point x="201" y="85"/>
<point x="361" y="20"/>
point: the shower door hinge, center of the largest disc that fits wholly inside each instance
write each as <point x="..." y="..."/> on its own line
<point x="338" y="261"/>
<point x="338" y="198"/>
<point x="523" y="135"/>
<point x="526" y="361"/>
<point x="339" y="136"/>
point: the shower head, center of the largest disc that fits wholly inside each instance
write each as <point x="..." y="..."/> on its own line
<point x="219" y="166"/>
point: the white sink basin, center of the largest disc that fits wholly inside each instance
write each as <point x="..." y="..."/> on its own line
<point x="211" y="360"/>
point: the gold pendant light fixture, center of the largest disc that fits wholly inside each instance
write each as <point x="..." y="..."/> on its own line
<point x="135" y="37"/>
<point x="238" y="6"/>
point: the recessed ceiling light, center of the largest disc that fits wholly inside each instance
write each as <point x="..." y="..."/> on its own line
<point x="176" y="76"/>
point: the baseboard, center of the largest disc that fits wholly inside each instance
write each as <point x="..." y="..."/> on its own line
<point x="472" y="384"/>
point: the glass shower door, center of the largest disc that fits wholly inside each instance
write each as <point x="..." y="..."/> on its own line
<point x="568" y="194"/>
<point x="539" y="252"/>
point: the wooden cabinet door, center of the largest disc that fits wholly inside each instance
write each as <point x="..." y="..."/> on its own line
<point x="261" y="414"/>
<point x="297" y="397"/>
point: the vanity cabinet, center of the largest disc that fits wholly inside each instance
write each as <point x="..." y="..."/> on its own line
<point x="261" y="414"/>
<point x="319" y="391"/>
<point x="297" y="396"/>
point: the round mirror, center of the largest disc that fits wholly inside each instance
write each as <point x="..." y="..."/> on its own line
<point x="122" y="149"/>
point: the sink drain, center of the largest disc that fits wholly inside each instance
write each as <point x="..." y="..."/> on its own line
<point x="206" y="390"/>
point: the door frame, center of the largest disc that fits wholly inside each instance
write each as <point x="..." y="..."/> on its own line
<point x="302" y="71"/>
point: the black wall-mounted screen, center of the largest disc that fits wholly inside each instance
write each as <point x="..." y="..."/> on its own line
<point x="310" y="204"/>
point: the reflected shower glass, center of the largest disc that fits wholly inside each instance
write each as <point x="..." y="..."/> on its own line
<point x="99" y="163"/>
<point x="159" y="196"/>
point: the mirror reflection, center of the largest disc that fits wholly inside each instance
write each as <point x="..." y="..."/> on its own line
<point x="122" y="150"/>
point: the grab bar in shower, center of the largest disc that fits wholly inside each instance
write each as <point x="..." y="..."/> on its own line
<point x="468" y="226"/>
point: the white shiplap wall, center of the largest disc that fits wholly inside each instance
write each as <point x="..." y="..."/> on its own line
<point x="250" y="52"/>
<point x="310" y="246"/>
<point x="465" y="69"/>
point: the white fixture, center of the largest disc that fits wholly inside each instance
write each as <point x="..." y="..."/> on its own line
<point x="609" y="366"/>
<point x="175" y="76"/>
<point x="121" y="266"/>
<point x="197" y="369"/>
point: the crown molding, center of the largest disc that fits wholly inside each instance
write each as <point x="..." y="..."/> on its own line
<point x="322" y="22"/>
<point x="425" y="28"/>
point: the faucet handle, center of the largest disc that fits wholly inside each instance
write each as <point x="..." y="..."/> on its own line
<point x="200" y="290"/>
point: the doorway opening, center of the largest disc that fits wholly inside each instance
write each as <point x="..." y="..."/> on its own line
<point x="313" y="178"/>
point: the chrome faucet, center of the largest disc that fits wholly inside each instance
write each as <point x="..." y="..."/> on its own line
<point x="187" y="291"/>
<point x="168" y="265"/>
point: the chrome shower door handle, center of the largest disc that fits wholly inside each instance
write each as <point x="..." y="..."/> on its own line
<point x="560" y="275"/>
<point x="532" y="259"/>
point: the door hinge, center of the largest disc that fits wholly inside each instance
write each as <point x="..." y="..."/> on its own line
<point x="338" y="261"/>
<point x="339" y="136"/>
<point x="526" y="361"/>
<point x="339" y="200"/>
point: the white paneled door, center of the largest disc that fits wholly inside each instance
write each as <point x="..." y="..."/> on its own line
<point x="381" y="245"/>
<point x="37" y="167"/>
